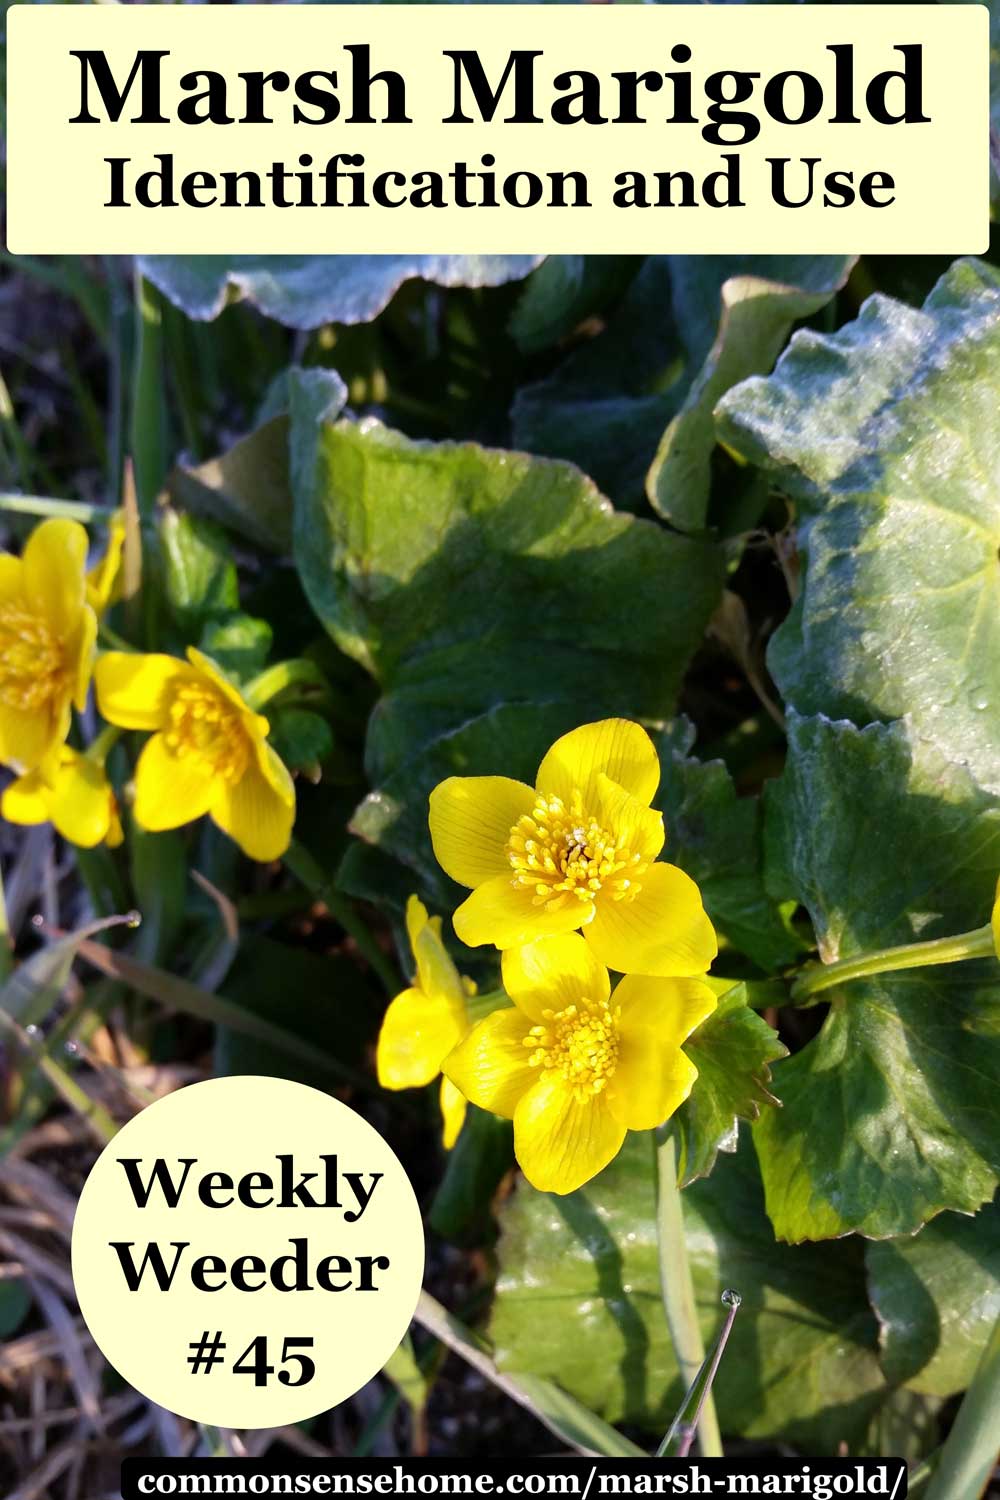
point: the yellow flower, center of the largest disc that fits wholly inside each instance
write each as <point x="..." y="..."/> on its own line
<point x="47" y="638"/>
<point x="209" y="753"/>
<point x="575" y="851"/>
<point x="77" y="799"/>
<point x="995" y="921"/>
<point x="575" y="1065"/>
<point x="425" y="1022"/>
<point x="104" y="579"/>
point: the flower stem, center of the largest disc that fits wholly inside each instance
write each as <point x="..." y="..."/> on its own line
<point x="282" y="675"/>
<point x="308" y="870"/>
<point x="949" y="950"/>
<point x="970" y="1450"/>
<point x="677" y="1287"/>
<point x="148" y="427"/>
<point x="100" y="748"/>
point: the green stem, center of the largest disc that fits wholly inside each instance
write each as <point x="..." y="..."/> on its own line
<point x="148" y="434"/>
<point x="282" y="675"/>
<point x="100" y="748"/>
<point x="950" y="950"/>
<point x="109" y="637"/>
<point x="970" y="1450"/>
<point x="43" y="505"/>
<point x="308" y="870"/>
<point x="677" y="1287"/>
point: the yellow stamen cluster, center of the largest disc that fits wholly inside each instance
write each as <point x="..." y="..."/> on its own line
<point x="205" y="727"/>
<point x="562" y="852"/>
<point x="32" y="660"/>
<point x="579" y="1044"/>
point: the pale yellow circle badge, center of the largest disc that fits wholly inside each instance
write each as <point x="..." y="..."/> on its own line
<point x="248" y="1252"/>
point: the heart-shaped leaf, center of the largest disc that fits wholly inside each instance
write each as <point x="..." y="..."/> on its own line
<point x="885" y="433"/>
<point x="578" y="1300"/>
<point x="306" y="291"/>
<point x="497" y="599"/>
<point x="889" y="1114"/>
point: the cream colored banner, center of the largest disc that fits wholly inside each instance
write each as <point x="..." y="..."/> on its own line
<point x="494" y="128"/>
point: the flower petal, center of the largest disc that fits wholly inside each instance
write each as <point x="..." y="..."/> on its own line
<point x="55" y="560"/>
<point x="82" y="651"/>
<point x="81" y="801"/>
<point x="11" y="580"/>
<point x="26" y="800"/>
<point x="491" y="1066"/>
<point x="436" y="973"/>
<point x="104" y="579"/>
<point x="133" y="689"/>
<point x="256" y="725"/>
<point x="170" y="790"/>
<point x="637" y="827"/>
<point x="470" y="820"/>
<point x="255" y="814"/>
<point x="617" y="747"/>
<point x="418" y="1031"/>
<point x="562" y="1141"/>
<point x="504" y="914"/>
<point x="28" y="736"/>
<point x="653" y="1076"/>
<point x="453" y="1107"/>
<point x="553" y="972"/>
<point x="664" y="930"/>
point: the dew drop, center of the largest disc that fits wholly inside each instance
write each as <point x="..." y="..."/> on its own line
<point x="731" y="1298"/>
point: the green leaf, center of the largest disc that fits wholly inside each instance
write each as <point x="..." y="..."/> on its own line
<point x="555" y="1408"/>
<point x="240" y="644"/>
<point x="320" y="1000"/>
<point x="605" y="406"/>
<point x="885" y="434"/>
<point x="402" y="1370"/>
<point x="734" y="313"/>
<point x="564" y="290"/>
<point x="248" y="487"/>
<point x="158" y="867"/>
<point x="302" y="739"/>
<point x="732" y="1051"/>
<point x="937" y="1295"/>
<point x="306" y="291"/>
<point x="717" y="838"/>
<point x="578" y="1300"/>
<point x="889" y="1114"/>
<point x="199" y="574"/>
<point x="492" y="596"/>
<point x="483" y="1153"/>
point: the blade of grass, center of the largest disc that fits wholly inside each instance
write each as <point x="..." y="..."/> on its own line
<point x="180" y="995"/>
<point x="95" y="1115"/>
<point x="46" y="505"/>
<point x="556" y="1409"/>
<point x="971" y="1448"/>
<point x="680" y="1434"/>
<point x="677" y="1288"/>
